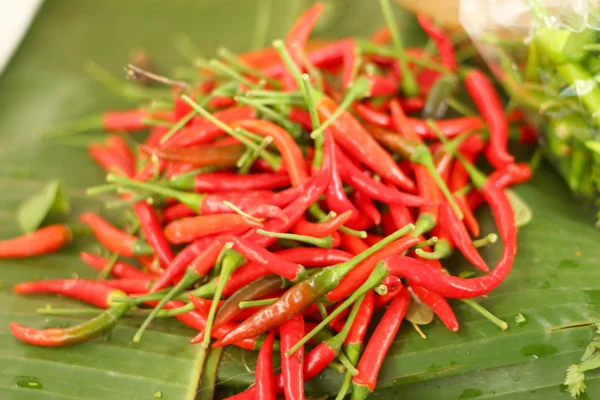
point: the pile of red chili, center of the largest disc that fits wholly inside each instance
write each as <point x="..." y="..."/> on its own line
<point x="287" y="195"/>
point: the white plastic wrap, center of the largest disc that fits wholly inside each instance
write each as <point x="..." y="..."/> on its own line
<point x="546" y="53"/>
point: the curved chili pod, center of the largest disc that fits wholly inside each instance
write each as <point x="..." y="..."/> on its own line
<point x="42" y="241"/>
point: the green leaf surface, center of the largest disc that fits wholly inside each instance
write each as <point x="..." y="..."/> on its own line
<point x="51" y="199"/>
<point x="523" y="213"/>
<point x="555" y="284"/>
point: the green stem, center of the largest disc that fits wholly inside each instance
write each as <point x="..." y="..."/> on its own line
<point x="314" y="119"/>
<point x="256" y="303"/>
<point x="378" y="274"/>
<point x="442" y="249"/>
<point x="287" y="60"/>
<point x="476" y="176"/>
<point x="321" y="216"/>
<point x="293" y="129"/>
<point x="489" y="239"/>
<point x="422" y="156"/>
<point x="178" y="125"/>
<point x="358" y="89"/>
<point x="101" y="189"/>
<point x="324" y="242"/>
<point x="273" y="161"/>
<point x="176" y="311"/>
<point x="112" y="260"/>
<point x="429" y="242"/>
<point x="190" y="277"/>
<point x="481" y="310"/>
<point x="409" y="84"/>
<point x="231" y="261"/>
<point x="192" y="200"/>
<point x="249" y="157"/>
<point x="460" y="107"/>
<point x="322" y="310"/>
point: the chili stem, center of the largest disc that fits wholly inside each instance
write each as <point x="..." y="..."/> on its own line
<point x="481" y="310"/>
<point x="378" y="274"/>
<point x="491" y="238"/>
<point x="256" y="303"/>
<point x="314" y="119"/>
<point x="324" y="242"/>
<point x="358" y="89"/>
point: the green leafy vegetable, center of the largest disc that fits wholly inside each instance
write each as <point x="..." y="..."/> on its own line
<point x="51" y="199"/>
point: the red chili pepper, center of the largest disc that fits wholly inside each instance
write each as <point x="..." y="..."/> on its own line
<point x="152" y="230"/>
<point x="175" y="270"/>
<point x="112" y="238"/>
<point x="448" y="127"/>
<point x="437" y="281"/>
<point x="349" y="60"/>
<point x="336" y="198"/>
<point x="367" y="207"/>
<point x="206" y="156"/>
<point x="380" y="342"/>
<point x="372" y="239"/>
<point x="120" y="269"/>
<point x="352" y="175"/>
<point x="460" y="237"/>
<point x="301" y="117"/>
<point x="352" y="244"/>
<point x="227" y="181"/>
<point x="255" y="290"/>
<point x="459" y="178"/>
<point x="176" y="211"/>
<point x="265" y="378"/>
<point x="55" y="337"/>
<point x="108" y="160"/>
<point x="442" y="42"/>
<point x="42" y="241"/>
<point x="298" y="207"/>
<point x="155" y="136"/>
<point x="150" y="263"/>
<point x="302" y="294"/>
<point x="266" y="259"/>
<point x="394" y="285"/>
<point x="361" y="272"/>
<point x="197" y="320"/>
<point x="354" y="138"/>
<point x="119" y="146"/>
<point x="188" y="229"/>
<point x="297" y="38"/>
<point x="359" y="328"/>
<point x="383" y="85"/>
<point x="322" y="229"/>
<point x="292" y="367"/>
<point x="92" y="292"/>
<point x="181" y="107"/>
<point x="439" y="305"/>
<point x="512" y="174"/>
<point x="204" y="131"/>
<point x="488" y="103"/>
<point x="127" y="121"/>
<point x="130" y="286"/>
<point x="312" y="257"/>
<point x="290" y="152"/>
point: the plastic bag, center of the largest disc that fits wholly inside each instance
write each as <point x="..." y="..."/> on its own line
<point x="546" y="53"/>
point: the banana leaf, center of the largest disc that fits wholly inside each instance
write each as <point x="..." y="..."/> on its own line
<point x="555" y="283"/>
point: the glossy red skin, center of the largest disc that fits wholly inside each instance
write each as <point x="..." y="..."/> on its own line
<point x="292" y="367"/>
<point x="442" y="42"/>
<point x="91" y="292"/>
<point x="356" y="141"/>
<point x="265" y="378"/>
<point x="490" y="106"/>
<point x="289" y="150"/>
<point x="321" y="229"/>
<point x="42" y="241"/>
<point x="110" y="237"/>
<point x="121" y="269"/>
<point x="187" y="229"/>
<point x="225" y="181"/>
<point x="152" y="230"/>
<point x="381" y="340"/>
<point x="419" y="273"/>
<point x="439" y="305"/>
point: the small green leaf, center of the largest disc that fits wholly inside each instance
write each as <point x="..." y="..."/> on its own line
<point x="523" y="213"/>
<point x="520" y="319"/>
<point x="419" y="312"/>
<point x="51" y="199"/>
